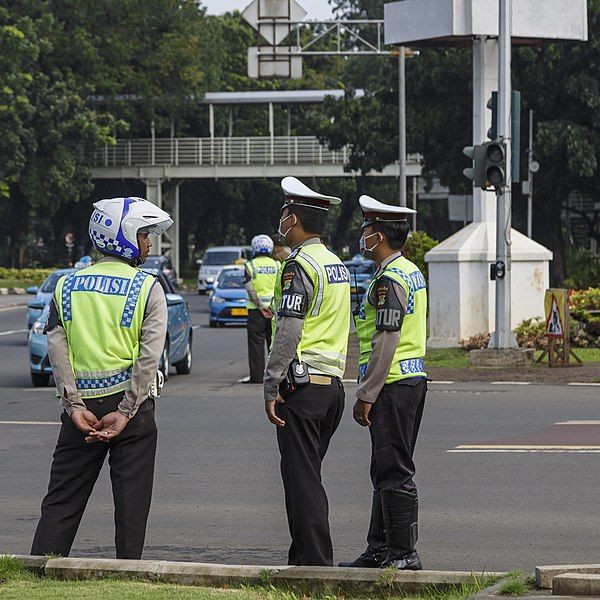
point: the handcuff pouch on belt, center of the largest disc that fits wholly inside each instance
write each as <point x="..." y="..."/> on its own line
<point x="297" y="376"/>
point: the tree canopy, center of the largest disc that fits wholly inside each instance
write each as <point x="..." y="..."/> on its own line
<point x="75" y="73"/>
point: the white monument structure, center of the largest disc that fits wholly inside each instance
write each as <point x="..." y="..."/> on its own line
<point x="461" y="291"/>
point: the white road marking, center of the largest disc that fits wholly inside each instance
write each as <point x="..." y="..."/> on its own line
<point x="442" y="382"/>
<point x="524" y="448"/>
<point x="590" y="384"/>
<point x="29" y="422"/>
<point x="195" y="326"/>
<point x="13" y="307"/>
<point x="13" y="331"/>
<point x="510" y="382"/>
<point x="527" y="451"/>
<point x="578" y="423"/>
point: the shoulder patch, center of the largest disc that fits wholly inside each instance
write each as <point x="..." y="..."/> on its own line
<point x="287" y="279"/>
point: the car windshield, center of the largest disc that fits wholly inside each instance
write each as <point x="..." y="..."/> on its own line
<point x="153" y="262"/>
<point x="360" y="268"/>
<point x="49" y="285"/>
<point x="231" y="279"/>
<point x="221" y="257"/>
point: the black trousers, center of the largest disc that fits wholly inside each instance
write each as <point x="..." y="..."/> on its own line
<point x="75" y="469"/>
<point x="259" y="339"/>
<point x="395" y="421"/>
<point x="311" y="414"/>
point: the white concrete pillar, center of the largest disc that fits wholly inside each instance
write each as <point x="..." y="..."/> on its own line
<point x="154" y="195"/>
<point x="461" y="293"/>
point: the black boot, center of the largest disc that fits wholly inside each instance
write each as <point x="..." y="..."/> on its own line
<point x="400" y="516"/>
<point x="377" y="545"/>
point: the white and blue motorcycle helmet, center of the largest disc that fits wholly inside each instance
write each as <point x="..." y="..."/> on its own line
<point x="261" y="244"/>
<point x="115" y="223"/>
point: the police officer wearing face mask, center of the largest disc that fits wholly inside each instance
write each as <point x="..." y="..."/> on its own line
<point x="303" y="391"/>
<point x="391" y="327"/>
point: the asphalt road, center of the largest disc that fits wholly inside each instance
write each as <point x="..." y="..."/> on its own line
<point x="218" y="495"/>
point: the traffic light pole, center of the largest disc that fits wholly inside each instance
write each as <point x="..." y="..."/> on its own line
<point x="402" y="125"/>
<point x="503" y="336"/>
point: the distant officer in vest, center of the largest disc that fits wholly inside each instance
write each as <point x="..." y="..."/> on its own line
<point x="391" y="327"/>
<point x="260" y="277"/>
<point x="303" y="391"/>
<point x="106" y="331"/>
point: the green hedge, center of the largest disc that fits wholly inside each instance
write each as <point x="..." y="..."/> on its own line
<point x="27" y="276"/>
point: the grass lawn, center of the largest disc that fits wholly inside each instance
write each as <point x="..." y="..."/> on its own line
<point x="456" y="358"/>
<point x="16" y="583"/>
<point x="450" y="358"/>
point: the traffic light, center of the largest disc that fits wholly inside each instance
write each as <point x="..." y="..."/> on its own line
<point x="477" y="171"/>
<point x="515" y="130"/>
<point x="495" y="164"/>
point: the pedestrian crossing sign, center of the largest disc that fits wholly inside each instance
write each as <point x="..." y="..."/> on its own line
<point x="555" y="303"/>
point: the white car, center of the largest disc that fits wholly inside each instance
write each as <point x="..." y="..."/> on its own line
<point x="215" y="259"/>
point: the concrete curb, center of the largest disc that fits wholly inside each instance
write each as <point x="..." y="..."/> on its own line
<point x="492" y="590"/>
<point x="307" y="580"/>
<point x="576" y="584"/>
<point x="12" y="291"/>
<point x="544" y="575"/>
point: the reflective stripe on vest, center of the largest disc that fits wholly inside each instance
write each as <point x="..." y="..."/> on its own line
<point x="102" y="309"/>
<point x="324" y="341"/>
<point x="408" y="358"/>
<point x="263" y="271"/>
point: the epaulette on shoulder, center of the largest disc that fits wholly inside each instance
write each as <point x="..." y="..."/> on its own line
<point x="294" y="253"/>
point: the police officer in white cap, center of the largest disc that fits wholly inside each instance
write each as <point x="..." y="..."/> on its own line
<point x="303" y="388"/>
<point x="391" y="327"/>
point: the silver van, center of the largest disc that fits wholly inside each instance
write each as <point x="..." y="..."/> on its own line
<point x="215" y="259"/>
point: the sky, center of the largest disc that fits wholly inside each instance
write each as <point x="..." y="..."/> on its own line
<point x="317" y="9"/>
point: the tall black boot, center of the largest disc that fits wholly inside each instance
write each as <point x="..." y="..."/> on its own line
<point x="376" y="542"/>
<point x="400" y="517"/>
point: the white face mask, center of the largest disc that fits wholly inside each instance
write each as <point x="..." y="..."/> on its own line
<point x="362" y="244"/>
<point x="281" y="221"/>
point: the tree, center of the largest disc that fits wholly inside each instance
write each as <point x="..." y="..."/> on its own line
<point x="41" y="128"/>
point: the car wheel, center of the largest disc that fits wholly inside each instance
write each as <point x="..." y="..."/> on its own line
<point x="165" y="364"/>
<point x="184" y="366"/>
<point x="40" y="379"/>
<point x="212" y="324"/>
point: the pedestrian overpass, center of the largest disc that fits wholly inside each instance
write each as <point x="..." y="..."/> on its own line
<point x="162" y="164"/>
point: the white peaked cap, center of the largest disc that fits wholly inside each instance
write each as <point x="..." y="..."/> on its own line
<point x="296" y="192"/>
<point x="369" y="204"/>
<point x="375" y="211"/>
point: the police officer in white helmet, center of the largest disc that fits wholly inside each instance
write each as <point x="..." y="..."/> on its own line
<point x="106" y="331"/>
<point x="260" y="275"/>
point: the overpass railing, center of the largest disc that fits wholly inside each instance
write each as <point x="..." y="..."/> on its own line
<point x="219" y="151"/>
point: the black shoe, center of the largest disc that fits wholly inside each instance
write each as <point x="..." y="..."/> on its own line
<point x="369" y="559"/>
<point x="408" y="562"/>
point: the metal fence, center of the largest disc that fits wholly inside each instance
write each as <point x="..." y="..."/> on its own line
<point x="301" y="150"/>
